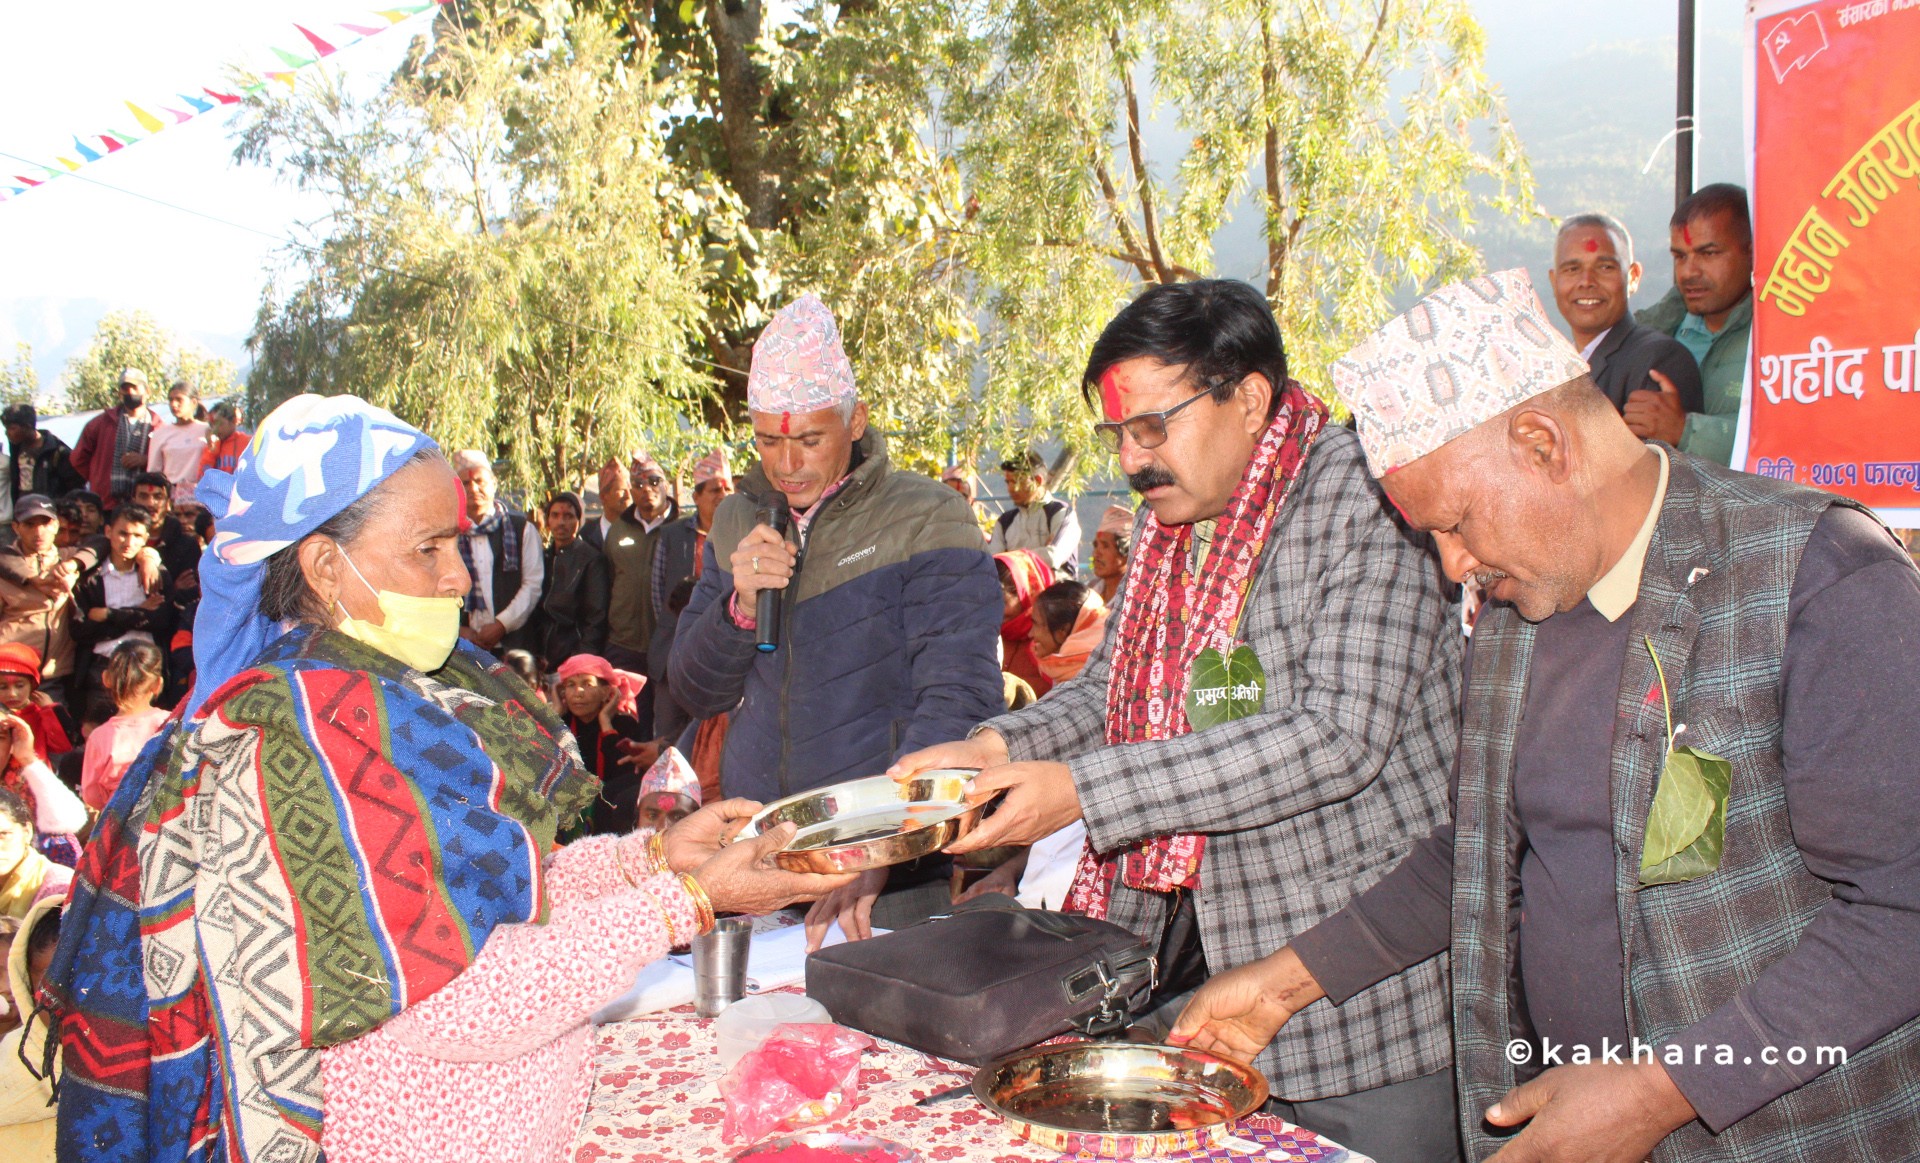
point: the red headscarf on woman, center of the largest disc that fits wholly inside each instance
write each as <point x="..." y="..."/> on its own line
<point x="49" y="738"/>
<point x="1030" y="573"/>
<point x="626" y="685"/>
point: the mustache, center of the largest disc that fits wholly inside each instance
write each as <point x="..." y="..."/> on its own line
<point x="1150" y="477"/>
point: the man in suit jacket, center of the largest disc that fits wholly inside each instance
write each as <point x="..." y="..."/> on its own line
<point x="1633" y="977"/>
<point x="1223" y="809"/>
<point x="1594" y="275"/>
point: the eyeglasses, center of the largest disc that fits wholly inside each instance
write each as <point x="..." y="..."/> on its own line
<point x="1148" y="429"/>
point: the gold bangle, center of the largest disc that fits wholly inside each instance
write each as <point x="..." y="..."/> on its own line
<point x="657" y="851"/>
<point x="666" y="914"/>
<point x="703" y="917"/>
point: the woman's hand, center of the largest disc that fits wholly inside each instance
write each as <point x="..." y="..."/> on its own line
<point x="744" y="879"/>
<point x="698" y="838"/>
<point x="19" y="739"/>
<point x="852" y="906"/>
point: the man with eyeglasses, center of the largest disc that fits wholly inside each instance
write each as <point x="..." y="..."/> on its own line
<point x="1270" y="722"/>
<point x="629" y="543"/>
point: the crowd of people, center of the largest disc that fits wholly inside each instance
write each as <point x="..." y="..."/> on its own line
<point x="1373" y="853"/>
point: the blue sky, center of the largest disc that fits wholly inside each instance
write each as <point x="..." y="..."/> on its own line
<point x="71" y="251"/>
<point x="74" y="250"/>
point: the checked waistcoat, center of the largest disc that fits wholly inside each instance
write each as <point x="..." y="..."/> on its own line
<point x="1714" y="600"/>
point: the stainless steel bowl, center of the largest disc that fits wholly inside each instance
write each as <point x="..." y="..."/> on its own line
<point x="873" y="822"/>
<point x="1119" y="1099"/>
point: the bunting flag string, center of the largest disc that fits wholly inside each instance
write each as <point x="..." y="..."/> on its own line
<point x="113" y="140"/>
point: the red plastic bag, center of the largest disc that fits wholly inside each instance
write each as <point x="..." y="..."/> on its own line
<point x="804" y="1073"/>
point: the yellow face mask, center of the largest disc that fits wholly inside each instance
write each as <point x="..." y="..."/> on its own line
<point x="420" y="632"/>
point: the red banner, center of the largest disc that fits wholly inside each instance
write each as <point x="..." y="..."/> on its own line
<point x="1834" y="136"/>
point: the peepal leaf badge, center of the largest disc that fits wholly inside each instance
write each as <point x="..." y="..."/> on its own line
<point x="1687" y="825"/>
<point x="1220" y="690"/>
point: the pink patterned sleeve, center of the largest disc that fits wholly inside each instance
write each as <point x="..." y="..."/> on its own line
<point x="532" y="983"/>
<point x="590" y="867"/>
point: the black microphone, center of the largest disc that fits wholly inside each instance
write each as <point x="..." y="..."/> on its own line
<point x="766" y="607"/>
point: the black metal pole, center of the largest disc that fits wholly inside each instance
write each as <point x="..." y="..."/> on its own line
<point x="1683" y="137"/>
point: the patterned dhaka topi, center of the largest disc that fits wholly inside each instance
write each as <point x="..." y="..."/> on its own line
<point x="712" y="467"/>
<point x="1456" y="359"/>
<point x="326" y="839"/>
<point x="1168" y="616"/>
<point x="799" y="365"/>
<point x="671" y="774"/>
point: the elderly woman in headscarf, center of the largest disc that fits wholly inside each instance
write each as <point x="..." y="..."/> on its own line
<point x="1023" y="574"/>
<point x="323" y="914"/>
<point x="597" y="703"/>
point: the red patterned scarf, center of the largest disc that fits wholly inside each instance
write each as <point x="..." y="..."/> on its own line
<point x="1169" y="615"/>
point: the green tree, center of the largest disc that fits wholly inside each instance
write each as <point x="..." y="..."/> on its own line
<point x="1358" y="130"/>
<point x="506" y="261"/>
<point x="975" y="186"/>
<point x="124" y="339"/>
<point x="19" y="382"/>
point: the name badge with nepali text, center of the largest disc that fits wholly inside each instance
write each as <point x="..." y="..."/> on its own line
<point x="1222" y="689"/>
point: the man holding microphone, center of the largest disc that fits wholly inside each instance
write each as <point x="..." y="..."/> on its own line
<point x="888" y="611"/>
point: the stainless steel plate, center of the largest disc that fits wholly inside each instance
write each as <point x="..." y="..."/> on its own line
<point x="1120" y="1097"/>
<point x="873" y="822"/>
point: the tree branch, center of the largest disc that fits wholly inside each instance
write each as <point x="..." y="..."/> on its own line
<point x="1379" y="25"/>
<point x="1277" y="246"/>
<point x="1136" y="154"/>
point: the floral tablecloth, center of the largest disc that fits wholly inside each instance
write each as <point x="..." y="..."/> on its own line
<point x="655" y="1100"/>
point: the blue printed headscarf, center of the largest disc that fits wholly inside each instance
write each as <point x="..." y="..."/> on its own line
<point x="312" y="457"/>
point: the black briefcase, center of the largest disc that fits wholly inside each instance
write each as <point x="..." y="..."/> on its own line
<point x="985" y="980"/>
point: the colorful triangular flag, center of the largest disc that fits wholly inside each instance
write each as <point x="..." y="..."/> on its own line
<point x="29" y="181"/>
<point x="200" y="105"/>
<point x="284" y="78"/>
<point x="68" y="162"/>
<point x="292" y="60"/>
<point x="223" y="98"/>
<point x="147" y="121"/>
<point x="178" y="116"/>
<point x="319" y="46"/>
<point x="362" y="29"/>
<point x="85" y="153"/>
<point x="113" y="144"/>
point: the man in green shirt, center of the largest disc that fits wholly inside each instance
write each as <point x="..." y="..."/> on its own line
<point x="1710" y="311"/>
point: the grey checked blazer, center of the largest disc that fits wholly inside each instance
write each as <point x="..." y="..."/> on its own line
<point x="1317" y="796"/>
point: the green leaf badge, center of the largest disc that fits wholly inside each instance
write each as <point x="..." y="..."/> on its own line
<point x="1221" y="690"/>
<point x="1687" y="826"/>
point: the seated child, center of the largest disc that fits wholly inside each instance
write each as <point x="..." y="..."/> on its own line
<point x="37" y="733"/>
<point x="133" y="676"/>
<point x="26" y="1101"/>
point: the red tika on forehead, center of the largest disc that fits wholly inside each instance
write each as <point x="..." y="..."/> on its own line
<point x="1686" y="234"/>
<point x="1110" y="394"/>
<point x="1592" y="245"/>
<point x="786" y="423"/>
